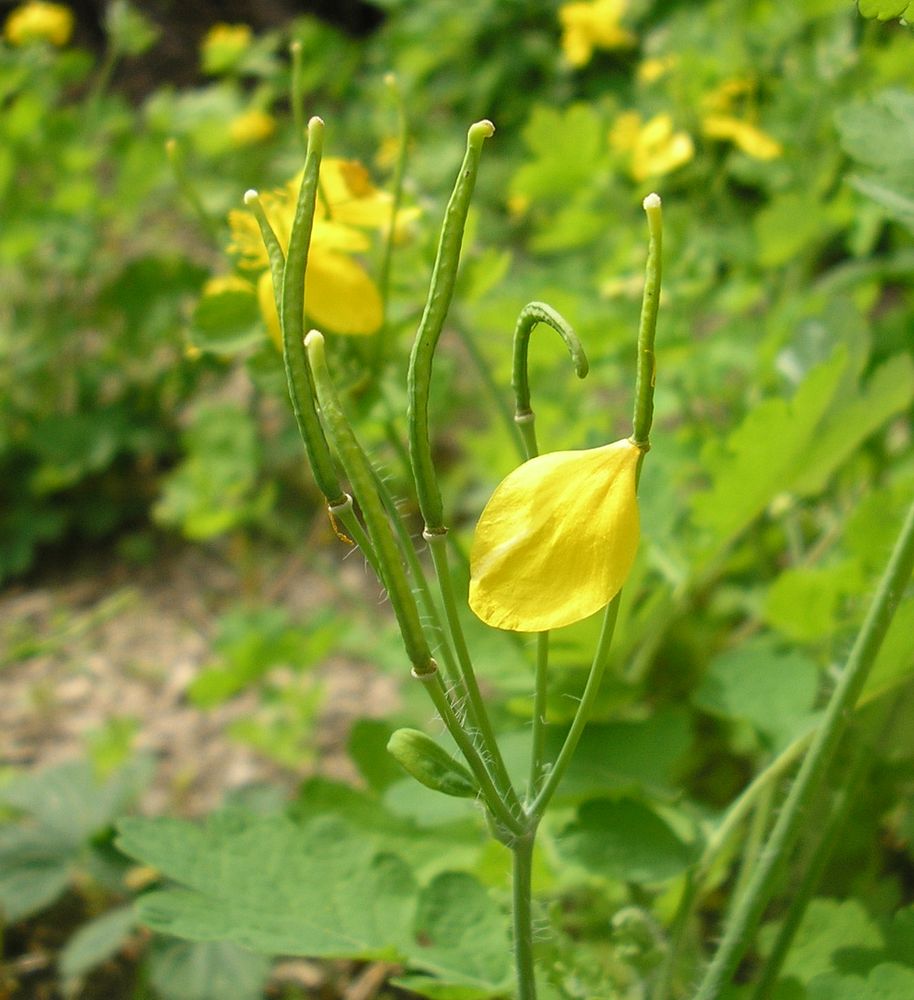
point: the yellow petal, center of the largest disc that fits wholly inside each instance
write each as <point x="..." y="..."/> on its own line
<point x="751" y="140"/>
<point x="267" y="300"/>
<point x="557" y="539"/>
<point x="339" y="295"/>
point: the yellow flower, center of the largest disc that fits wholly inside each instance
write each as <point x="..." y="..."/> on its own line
<point x="592" y="25"/>
<point x="751" y="140"/>
<point x="251" y="127"/>
<point x="557" y="539"/>
<point x="654" y="147"/>
<point x="652" y="69"/>
<point x="223" y="46"/>
<point x="37" y="21"/>
<point x="339" y="294"/>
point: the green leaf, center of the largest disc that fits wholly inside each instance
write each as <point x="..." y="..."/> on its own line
<point x="895" y="660"/>
<point x="624" y="840"/>
<point x="883" y="10"/>
<point x="368" y="750"/>
<point x="550" y="134"/>
<point x="270" y="885"/>
<point x="462" y="940"/>
<point x="804" y="603"/>
<point x="760" y="458"/>
<point x="850" y="421"/>
<point x="879" y="132"/>
<point x="35" y="868"/>
<point x="772" y="689"/>
<point x="227" y="321"/>
<point x="96" y="941"/>
<point x="833" y="937"/>
<point x="884" y="982"/>
<point x="214" y="970"/>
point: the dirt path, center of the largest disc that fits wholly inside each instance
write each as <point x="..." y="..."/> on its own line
<point x="111" y="642"/>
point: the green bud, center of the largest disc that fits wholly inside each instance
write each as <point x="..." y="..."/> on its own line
<point x="430" y="764"/>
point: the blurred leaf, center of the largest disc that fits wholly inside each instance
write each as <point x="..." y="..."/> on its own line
<point x="884" y="982"/>
<point x="833" y="937"/>
<point x="96" y="941"/>
<point x="759" y="682"/>
<point x="624" y="840"/>
<point x="35" y="868"/>
<point x="129" y="32"/>
<point x="884" y="10"/>
<point x="368" y="750"/>
<point x="805" y="602"/>
<point x="566" y="147"/>
<point x="227" y="321"/>
<point x="218" y="970"/>
<point x="762" y="455"/>
<point x="895" y="661"/>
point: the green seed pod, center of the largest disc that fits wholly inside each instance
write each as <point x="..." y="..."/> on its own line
<point x="430" y="764"/>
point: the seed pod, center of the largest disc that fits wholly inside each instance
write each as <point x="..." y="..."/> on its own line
<point x="430" y="764"/>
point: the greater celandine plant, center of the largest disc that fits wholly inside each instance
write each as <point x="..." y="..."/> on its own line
<point x="554" y="545"/>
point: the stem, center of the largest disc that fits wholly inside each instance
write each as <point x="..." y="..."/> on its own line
<point x="591" y="689"/>
<point x="538" y="741"/>
<point x="523" y="916"/>
<point x="479" y="716"/>
<point x="493" y="800"/>
<point x="741" y="927"/>
<point x="297" y="95"/>
<point x="644" y="380"/>
<point x="175" y="155"/>
<point x="857" y="770"/>
<point x="755" y="840"/>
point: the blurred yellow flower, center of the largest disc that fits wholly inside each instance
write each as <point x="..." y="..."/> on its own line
<point x="223" y="45"/>
<point x="652" y="69"/>
<point x="557" y="539"/>
<point x="592" y="25"/>
<point x="339" y="294"/>
<point x="724" y="97"/>
<point x="751" y="140"/>
<point x="37" y="21"/>
<point x="655" y="148"/>
<point x="251" y="127"/>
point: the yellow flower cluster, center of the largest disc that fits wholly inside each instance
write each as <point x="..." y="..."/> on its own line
<point x="592" y="25"/>
<point x="654" y="147"/>
<point x="38" y="21"/>
<point x="557" y="539"/>
<point x="339" y="294"/>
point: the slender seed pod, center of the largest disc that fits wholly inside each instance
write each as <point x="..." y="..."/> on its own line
<point x="646" y="372"/>
<point x="291" y="314"/>
<point x="357" y="468"/>
<point x="531" y="315"/>
<point x="441" y="290"/>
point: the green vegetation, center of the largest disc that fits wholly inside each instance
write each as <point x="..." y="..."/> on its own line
<point x="735" y="819"/>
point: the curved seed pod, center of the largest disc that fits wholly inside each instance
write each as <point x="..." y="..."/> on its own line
<point x="430" y="764"/>
<point x="531" y="315"/>
<point x="441" y="290"/>
<point x="646" y="372"/>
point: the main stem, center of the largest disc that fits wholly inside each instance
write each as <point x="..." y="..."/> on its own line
<point x="523" y="916"/>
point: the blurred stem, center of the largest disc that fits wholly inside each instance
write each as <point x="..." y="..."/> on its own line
<point x="761" y="814"/>
<point x="297" y="95"/>
<point x="858" y="767"/>
<point x="188" y="189"/>
<point x="380" y="341"/>
<point x="741" y="927"/>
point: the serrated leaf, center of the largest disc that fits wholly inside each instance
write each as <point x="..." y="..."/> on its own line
<point x="96" y="941"/>
<point x="275" y="887"/>
<point x="885" y="982"/>
<point x="214" y="970"/>
<point x="625" y="840"/>
<point x="761" y="456"/>
<point x="772" y="689"/>
<point x="462" y="940"/>
<point x="549" y="135"/>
